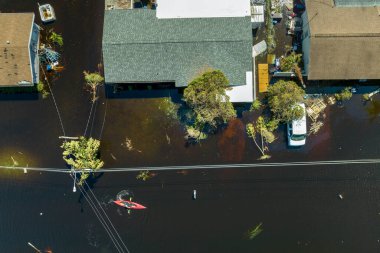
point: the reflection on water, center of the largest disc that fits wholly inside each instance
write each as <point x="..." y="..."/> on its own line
<point x="9" y="157"/>
<point x="231" y="143"/>
<point x="124" y="195"/>
<point x="373" y="109"/>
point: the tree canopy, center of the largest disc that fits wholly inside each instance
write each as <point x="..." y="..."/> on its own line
<point x="92" y="81"/>
<point x="206" y="96"/>
<point x="283" y="98"/>
<point x="82" y="154"/>
<point x="290" y="62"/>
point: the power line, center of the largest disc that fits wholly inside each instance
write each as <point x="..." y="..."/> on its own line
<point x="89" y="117"/>
<point x="210" y="166"/>
<point x="100" y="218"/>
<point x="105" y="214"/>
<point x="55" y="103"/>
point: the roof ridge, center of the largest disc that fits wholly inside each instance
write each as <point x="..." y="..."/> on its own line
<point x="174" y="42"/>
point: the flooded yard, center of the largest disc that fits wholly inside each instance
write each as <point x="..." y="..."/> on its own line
<point x="298" y="207"/>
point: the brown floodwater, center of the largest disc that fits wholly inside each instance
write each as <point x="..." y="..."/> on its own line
<point x="298" y="206"/>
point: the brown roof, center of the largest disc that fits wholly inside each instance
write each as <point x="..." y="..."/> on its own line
<point x="344" y="42"/>
<point x="15" y="30"/>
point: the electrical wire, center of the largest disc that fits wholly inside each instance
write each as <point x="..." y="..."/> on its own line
<point x="54" y="101"/>
<point x="100" y="218"/>
<point x="209" y="166"/>
<point x="105" y="214"/>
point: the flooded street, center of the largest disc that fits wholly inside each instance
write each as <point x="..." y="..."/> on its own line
<point x="298" y="206"/>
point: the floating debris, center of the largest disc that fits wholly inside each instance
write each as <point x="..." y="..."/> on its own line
<point x="315" y="108"/>
<point x="168" y="139"/>
<point x="252" y="233"/>
<point x="315" y="126"/>
<point x="331" y="100"/>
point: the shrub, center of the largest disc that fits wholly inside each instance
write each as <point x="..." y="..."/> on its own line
<point x="344" y="95"/>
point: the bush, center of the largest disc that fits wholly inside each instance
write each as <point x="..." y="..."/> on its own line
<point x="169" y="108"/>
<point x="366" y="97"/>
<point x="256" y="105"/>
<point x="56" y="38"/>
<point x="344" y="95"/>
<point x="40" y="86"/>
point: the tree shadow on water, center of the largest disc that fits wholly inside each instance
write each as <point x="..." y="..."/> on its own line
<point x="86" y="186"/>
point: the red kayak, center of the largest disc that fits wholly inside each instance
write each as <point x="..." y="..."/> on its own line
<point x="129" y="204"/>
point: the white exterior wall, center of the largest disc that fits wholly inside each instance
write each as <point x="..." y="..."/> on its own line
<point x="306" y="42"/>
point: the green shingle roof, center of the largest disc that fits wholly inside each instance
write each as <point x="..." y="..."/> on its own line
<point x="138" y="47"/>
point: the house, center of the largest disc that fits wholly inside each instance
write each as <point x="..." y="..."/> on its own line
<point x="341" y="39"/>
<point x="177" y="42"/>
<point x="19" y="40"/>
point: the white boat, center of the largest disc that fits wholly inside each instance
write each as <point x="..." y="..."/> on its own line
<point x="46" y="13"/>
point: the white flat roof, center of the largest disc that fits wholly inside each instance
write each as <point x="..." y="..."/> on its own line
<point x="242" y="93"/>
<point x="203" y="8"/>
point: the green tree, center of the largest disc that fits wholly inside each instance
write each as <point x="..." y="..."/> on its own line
<point x="82" y="155"/>
<point x="93" y="80"/>
<point x="290" y="62"/>
<point x="56" y="38"/>
<point x="283" y="98"/>
<point x="206" y="96"/>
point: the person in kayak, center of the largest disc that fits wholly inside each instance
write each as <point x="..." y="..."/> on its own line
<point x="128" y="204"/>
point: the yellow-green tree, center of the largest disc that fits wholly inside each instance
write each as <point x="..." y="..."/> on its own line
<point x="260" y="130"/>
<point x="93" y="80"/>
<point x="83" y="156"/>
<point x="56" y="38"/>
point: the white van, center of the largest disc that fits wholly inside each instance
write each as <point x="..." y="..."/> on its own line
<point x="297" y="130"/>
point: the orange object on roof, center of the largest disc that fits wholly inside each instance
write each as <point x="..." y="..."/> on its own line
<point x="263" y="77"/>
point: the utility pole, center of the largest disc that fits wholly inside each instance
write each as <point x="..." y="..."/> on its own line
<point x="68" y="137"/>
<point x="34" y="247"/>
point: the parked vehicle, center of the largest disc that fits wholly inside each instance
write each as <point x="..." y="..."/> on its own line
<point x="297" y="130"/>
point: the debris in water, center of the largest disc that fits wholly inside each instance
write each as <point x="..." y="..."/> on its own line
<point x="128" y="144"/>
<point x="168" y="139"/>
<point x="15" y="163"/>
<point x="340" y="196"/>
<point x="41" y="214"/>
<point x="113" y="157"/>
<point x="315" y="126"/>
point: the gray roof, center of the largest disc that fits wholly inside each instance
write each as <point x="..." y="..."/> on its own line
<point x="138" y="47"/>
